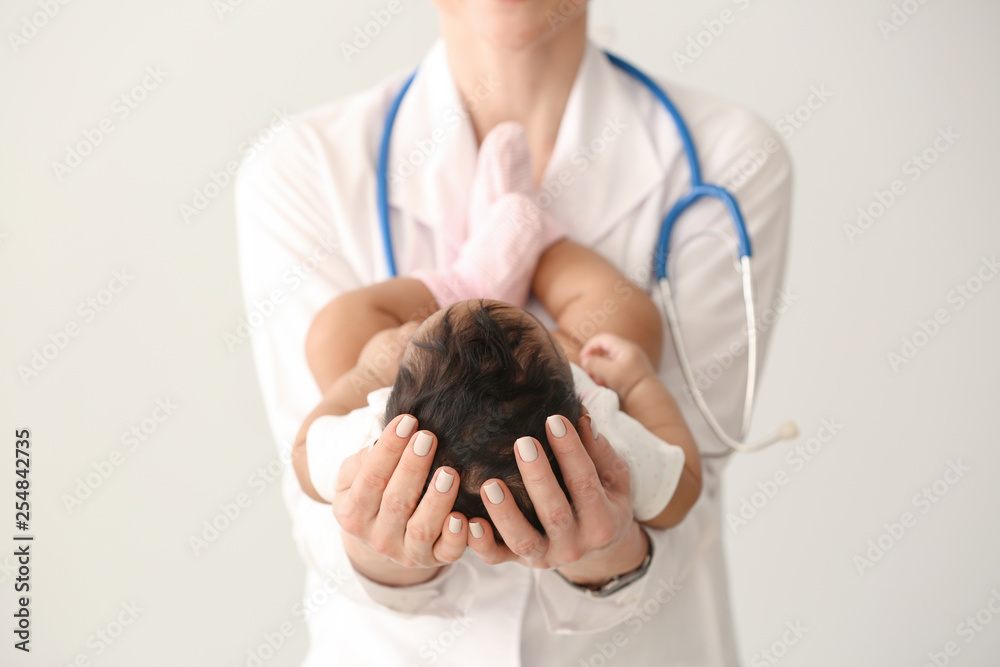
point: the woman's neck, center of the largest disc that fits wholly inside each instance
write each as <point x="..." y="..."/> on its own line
<point x="529" y="85"/>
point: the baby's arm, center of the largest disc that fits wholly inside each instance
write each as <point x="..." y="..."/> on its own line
<point x="345" y="325"/>
<point x="622" y="366"/>
<point x="587" y="295"/>
<point x="350" y="391"/>
<point x="353" y="347"/>
<point x="616" y="329"/>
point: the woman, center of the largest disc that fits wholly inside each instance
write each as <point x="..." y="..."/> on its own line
<point x="608" y="163"/>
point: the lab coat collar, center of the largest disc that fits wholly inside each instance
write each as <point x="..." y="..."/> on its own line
<point x="603" y="164"/>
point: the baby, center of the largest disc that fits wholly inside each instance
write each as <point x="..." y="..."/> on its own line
<point x="481" y="373"/>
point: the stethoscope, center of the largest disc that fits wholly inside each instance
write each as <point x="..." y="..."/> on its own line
<point x="698" y="190"/>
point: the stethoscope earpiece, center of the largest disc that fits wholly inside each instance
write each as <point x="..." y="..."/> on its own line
<point x="789" y="431"/>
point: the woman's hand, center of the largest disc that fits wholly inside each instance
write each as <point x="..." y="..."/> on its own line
<point x="590" y="536"/>
<point x="391" y="534"/>
<point x="615" y="362"/>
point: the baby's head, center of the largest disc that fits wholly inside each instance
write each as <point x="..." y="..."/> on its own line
<point x="479" y="375"/>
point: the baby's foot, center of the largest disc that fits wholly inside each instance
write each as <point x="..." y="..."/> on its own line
<point x="503" y="166"/>
<point x="507" y="231"/>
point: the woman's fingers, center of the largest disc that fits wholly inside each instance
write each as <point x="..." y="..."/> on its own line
<point x="454" y="538"/>
<point x="578" y="471"/>
<point x="518" y="534"/>
<point x="548" y="498"/>
<point x="423" y="527"/>
<point x="378" y="465"/>
<point x="484" y="544"/>
<point x="406" y="485"/>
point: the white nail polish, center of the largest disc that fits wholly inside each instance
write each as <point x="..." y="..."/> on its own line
<point x="556" y="426"/>
<point x="443" y="482"/>
<point x="494" y="493"/>
<point x="455" y="524"/>
<point x="404" y="429"/>
<point x="422" y="443"/>
<point x="526" y="448"/>
<point x="476" y="530"/>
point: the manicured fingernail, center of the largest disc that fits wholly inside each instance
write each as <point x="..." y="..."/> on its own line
<point x="422" y="443"/>
<point x="476" y="530"/>
<point x="455" y="524"/>
<point x="556" y="425"/>
<point x="526" y="448"/>
<point x="443" y="482"/>
<point x="404" y="429"/>
<point x="494" y="493"/>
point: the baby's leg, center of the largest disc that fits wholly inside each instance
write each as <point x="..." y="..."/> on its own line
<point x="586" y="295"/>
<point x="345" y="325"/>
<point x="504" y="166"/>
<point x="508" y="231"/>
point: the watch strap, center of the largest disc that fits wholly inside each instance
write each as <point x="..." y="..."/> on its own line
<point x="619" y="581"/>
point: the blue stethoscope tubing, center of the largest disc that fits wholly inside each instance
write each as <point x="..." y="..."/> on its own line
<point x="699" y="189"/>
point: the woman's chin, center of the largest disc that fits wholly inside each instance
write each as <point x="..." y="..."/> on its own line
<point x="514" y="25"/>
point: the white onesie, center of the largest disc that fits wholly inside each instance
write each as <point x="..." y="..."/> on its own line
<point x="655" y="466"/>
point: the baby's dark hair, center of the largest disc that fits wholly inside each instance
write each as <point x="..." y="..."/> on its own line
<point x="479" y="380"/>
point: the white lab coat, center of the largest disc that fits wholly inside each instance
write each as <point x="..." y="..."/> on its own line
<point x="308" y="230"/>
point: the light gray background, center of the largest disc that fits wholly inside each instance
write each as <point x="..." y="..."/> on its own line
<point x="162" y="336"/>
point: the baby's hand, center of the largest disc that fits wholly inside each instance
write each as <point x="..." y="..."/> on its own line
<point x="379" y="359"/>
<point x="615" y="362"/>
